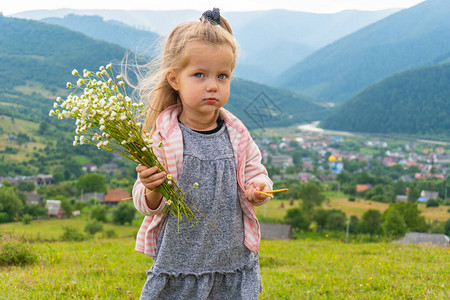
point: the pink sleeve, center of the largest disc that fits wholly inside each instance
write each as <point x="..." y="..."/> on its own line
<point x="254" y="169"/>
<point x="140" y="202"/>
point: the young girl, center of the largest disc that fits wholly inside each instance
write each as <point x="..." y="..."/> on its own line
<point x="206" y="146"/>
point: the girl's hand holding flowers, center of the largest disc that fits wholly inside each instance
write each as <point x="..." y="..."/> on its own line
<point x="151" y="180"/>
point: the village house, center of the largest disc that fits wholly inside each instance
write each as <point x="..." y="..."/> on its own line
<point x="45" y="179"/>
<point x="114" y="196"/>
<point x="362" y="187"/>
<point x="89" y="167"/>
<point x="401" y="198"/>
<point x="427" y="195"/>
<point x="282" y="161"/>
<point x="33" y="198"/>
<point x="54" y="208"/>
<point x="97" y="197"/>
<point x="109" y="168"/>
<point x="276" y="231"/>
<point x="420" y="238"/>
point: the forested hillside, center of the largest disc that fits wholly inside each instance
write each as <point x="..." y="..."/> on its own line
<point x="140" y="41"/>
<point x="415" y="37"/>
<point x="412" y="102"/>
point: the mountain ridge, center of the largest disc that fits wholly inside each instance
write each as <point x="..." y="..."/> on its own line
<point x="337" y="72"/>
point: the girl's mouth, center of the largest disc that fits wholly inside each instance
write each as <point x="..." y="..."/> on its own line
<point x="211" y="100"/>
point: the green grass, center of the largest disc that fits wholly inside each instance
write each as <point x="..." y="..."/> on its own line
<point x="51" y="230"/>
<point x="277" y="209"/>
<point x="299" y="269"/>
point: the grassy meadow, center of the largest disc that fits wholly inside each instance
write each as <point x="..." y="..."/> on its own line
<point x="277" y="208"/>
<point x="298" y="269"/>
<point x="316" y="267"/>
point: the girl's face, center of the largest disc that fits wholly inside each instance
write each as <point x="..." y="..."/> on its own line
<point x="204" y="83"/>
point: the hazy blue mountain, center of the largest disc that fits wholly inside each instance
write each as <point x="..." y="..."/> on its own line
<point x="414" y="37"/>
<point x="139" y="41"/>
<point x="270" y="41"/>
<point x="37" y="60"/>
<point x="412" y="102"/>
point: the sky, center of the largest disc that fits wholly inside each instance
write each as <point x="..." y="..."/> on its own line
<point x="8" y="7"/>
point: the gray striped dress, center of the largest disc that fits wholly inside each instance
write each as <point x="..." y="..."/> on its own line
<point x="199" y="262"/>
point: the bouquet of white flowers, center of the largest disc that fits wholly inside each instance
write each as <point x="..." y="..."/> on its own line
<point x="106" y="117"/>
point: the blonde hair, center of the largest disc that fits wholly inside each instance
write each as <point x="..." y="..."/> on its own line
<point x="153" y="87"/>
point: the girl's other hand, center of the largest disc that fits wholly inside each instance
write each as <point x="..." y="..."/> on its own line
<point x="149" y="176"/>
<point x="252" y="195"/>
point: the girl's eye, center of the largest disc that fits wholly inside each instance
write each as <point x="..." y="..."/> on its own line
<point x="222" y="76"/>
<point x="199" y="75"/>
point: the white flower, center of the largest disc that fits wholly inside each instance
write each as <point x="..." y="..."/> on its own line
<point x="69" y="84"/>
<point x="122" y="117"/>
<point x="86" y="73"/>
<point x="76" y="138"/>
<point x="121" y="83"/>
<point x="51" y="113"/>
<point x="123" y="142"/>
<point x="58" y="99"/>
<point x="102" y="127"/>
<point x="113" y="114"/>
<point x="102" y="121"/>
<point x="108" y="66"/>
<point x="80" y="82"/>
<point x="144" y="149"/>
<point x="99" y="145"/>
<point x="82" y="140"/>
<point x="119" y="76"/>
<point x="101" y="68"/>
<point x="75" y="143"/>
<point x="169" y="182"/>
<point x="195" y="184"/>
<point x="74" y="72"/>
<point x="169" y="202"/>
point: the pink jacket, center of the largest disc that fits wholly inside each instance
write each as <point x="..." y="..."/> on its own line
<point x="248" y="165"/>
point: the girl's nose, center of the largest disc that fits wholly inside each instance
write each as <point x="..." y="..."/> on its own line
<point x="211" y="85"/>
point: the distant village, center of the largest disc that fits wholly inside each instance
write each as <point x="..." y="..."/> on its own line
<point x="321" y="146"/>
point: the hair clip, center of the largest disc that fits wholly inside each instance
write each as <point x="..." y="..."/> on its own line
<point x="212" y="16"/>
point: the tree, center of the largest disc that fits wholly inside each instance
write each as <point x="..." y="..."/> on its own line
<point x="354" y="225"/>
<point x="123" y="213"/>
<point x="336" y="220"/>
<point x="394" y="225"/>
<point x="411" y="215"/>
<point x="311" y="196"/>
<point x="92" y="182"/>
<point x="92" y="227"/>
<point x="414" y="194"/>
<point x="67" y="207"/>
<point x="370" y="222"/>
<point x="320" y="217"/>
<point x="10" y="203"/>
<point x="98" y="212"/>
<point x="447" y="227"/>
<point x="26" y="186"/>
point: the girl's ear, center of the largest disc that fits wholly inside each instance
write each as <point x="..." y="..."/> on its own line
<point x="172" y="79"/>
